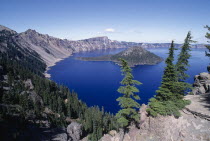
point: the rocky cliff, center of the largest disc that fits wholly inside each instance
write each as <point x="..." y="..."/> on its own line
<point x="189" y="127"/>
<point x="201" y="84"/>
<point x="53" y="49"/>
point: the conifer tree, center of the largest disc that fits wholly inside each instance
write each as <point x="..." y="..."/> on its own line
<point x="127" y="102"/>
<point x="208" y="37"/>
<point x="170" y="72"/>
<point x="169" y="98"/>
<point x="180" y="87"/>
<point x="182" y="62"/>
<point x="208" y="46"/>
<point x="169" y="77"/>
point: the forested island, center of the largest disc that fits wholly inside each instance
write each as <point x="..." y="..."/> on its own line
<point x="134" y="56"/>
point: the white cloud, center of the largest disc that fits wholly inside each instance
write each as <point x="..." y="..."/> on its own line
<point x="109" y="30"/>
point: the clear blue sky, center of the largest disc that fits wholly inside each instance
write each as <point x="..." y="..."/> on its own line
<point x="125" y="20"/>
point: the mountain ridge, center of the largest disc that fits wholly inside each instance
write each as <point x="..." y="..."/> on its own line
<point x="52" y="49"/>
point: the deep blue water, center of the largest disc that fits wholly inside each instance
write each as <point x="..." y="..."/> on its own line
<point x="97" y="82"/>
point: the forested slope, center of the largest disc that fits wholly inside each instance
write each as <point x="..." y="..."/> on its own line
<point x="29" y="102"/>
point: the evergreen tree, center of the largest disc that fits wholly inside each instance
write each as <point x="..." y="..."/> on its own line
<point x="182" y="62"/>
<point x="169" y="98"/>
<point x="208" y="37"/>
<point x="169" y="77"/>
<point x="127" y="102"/>
<point x="180" y="87"/>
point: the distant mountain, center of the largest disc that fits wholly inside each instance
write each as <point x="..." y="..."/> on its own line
<point x="51" y="49"/>
<point x="167" y="45"/>
<point x="134" y="56"/>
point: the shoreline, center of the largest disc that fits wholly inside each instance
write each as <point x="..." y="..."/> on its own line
<point x="46" y="74"/>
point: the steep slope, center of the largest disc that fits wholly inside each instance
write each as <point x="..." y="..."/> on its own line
<point x="16" y="53"/>
<point x="49" y="48"/>
<point x="35" y="108"/>
<point x="134" y="56"/>
<point x="3" y="28"/>
<point x="52" y="49"/>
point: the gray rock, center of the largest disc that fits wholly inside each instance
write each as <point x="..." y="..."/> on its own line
<point x="207" y="85"/>
<point x="195" y="91"/>
<point x="60" y="137"/>
<point x="28" y="84"/>
<point x="204" y="76"/>
<point x="201" y="90"/>
<point x="6" y="88"/>
<point x="35" y="97"/>
<point x="143" y="114"/>
<point x="201" y="83"/>
<point x="74" y="131"/>
<point x="196" y="81"/>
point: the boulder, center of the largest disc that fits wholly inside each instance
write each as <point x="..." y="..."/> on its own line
<point x="28" y="84"/>
<point x="143" y="114"/>
<point x="196" y="81"/>
<point x="113" y="132"/>
<point x="207" y="86"/>
<point x="204" y="76"/>
<point x="114" y="137"/>
<point x="74" y="131"/>
<point x="201" y="83"/>
<point x="35" y="97"/>
<point x="195" y="91"/>
<point x="201" y="90"/>
<point x="60" y="137"/>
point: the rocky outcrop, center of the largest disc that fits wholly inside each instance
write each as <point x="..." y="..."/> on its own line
<point x="49" y="48"/>
<point x="74" y="131"/>
<point x="189" y="127"/>
<point x="28" y="84"/>
<point x="201" y="84"/>
<point x="3" y="28"/>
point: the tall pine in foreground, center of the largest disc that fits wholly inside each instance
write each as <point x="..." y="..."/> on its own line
<point x="128" y="114"/>
<point x="183" y="57"/>
<point x="169" y="99"/>
<point x="208" y="37"/>
<point x="208" y="46"/>
<point x="169" y="77"/>
<point x="181" y="87"/>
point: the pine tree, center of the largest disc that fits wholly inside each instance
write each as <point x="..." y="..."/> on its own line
<point x="169" y="77"/>
<point x="182" y="62"/>
<point x="208" y="37"/>
<point x="170" y="72"/>
<point x="169" y="98"/>
<point x="127" y="102"/>
<point x="208" y="46"/>
<point x="180" y="87"/>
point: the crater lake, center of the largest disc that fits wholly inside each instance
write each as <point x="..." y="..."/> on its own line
<point x="96" y="83"/>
